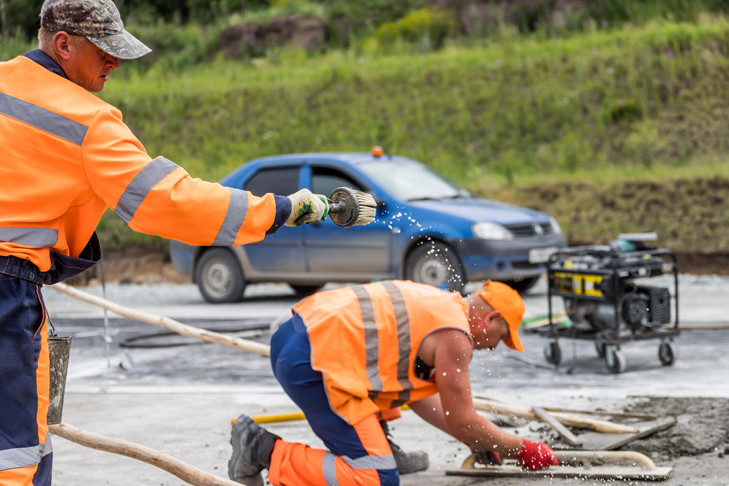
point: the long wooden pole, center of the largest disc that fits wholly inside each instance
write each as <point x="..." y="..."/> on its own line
<point x="564" y="418"/>
<point x="162" y="460"/>
<point x="262" y="349"/>
<point x="166" y="322"/>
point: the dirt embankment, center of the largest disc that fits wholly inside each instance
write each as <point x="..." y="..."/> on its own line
<point x="150" y="266"/>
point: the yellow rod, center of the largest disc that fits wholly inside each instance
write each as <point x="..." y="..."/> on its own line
<point x="286" y="417"/>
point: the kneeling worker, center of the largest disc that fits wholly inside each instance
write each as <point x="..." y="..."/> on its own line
<point x="349" y="353"/>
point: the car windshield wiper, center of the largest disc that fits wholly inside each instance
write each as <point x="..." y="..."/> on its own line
<point x="439" y="198"/>
<point x="425" y="198"/>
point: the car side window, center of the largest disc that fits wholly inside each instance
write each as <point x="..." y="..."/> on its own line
<point x="325" y="179"/>
<point x="278" y="180"/>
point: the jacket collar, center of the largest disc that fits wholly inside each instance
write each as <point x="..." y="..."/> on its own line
<point x="46" y="61"/>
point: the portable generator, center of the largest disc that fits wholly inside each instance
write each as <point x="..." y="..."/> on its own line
<point x="609" y="299"/>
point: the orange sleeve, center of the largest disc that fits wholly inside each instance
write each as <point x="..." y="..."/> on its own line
<point x="156" y="196"/>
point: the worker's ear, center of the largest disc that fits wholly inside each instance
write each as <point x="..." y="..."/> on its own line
<point x="62" y="45"/>
<point x="494" y="315"/>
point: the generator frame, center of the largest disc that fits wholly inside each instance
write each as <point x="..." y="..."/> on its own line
<point x="607" y="341"/>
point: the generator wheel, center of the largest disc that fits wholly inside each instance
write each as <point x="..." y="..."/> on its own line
<point x="666" y="354"/>
<point x="614" y="359"/>
<point x="552" y="353"/>
<point x="600" y="349"/>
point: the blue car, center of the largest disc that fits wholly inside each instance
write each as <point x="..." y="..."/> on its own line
<point x="428" y="229"/>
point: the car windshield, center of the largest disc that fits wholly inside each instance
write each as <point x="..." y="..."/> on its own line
<point x="412" y="181"/>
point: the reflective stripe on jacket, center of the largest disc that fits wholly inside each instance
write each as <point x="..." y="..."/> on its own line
<point x="67" y="156"/>
<point x="364" y="341"/>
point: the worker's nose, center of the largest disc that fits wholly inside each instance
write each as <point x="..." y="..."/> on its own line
<point x="112" y="62"/>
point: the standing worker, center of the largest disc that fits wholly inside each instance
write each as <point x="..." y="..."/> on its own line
<point x="349" y="353"/>
<point x="68" y="157"/>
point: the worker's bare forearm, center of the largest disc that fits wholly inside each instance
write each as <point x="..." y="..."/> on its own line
<point x="430" y="410"/>
<point x="479" y="432"/>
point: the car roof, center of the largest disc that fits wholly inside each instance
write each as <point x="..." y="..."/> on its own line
<point x="352" y="158"/>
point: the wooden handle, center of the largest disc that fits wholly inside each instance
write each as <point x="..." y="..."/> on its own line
<point x="182" y="470"/>
<point x="166" y="322"/>
<point x="564" y="418"/>
<point x="563" y="431"/>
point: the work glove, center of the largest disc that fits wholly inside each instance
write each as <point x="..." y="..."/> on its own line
<point x="487" y="457"/>
<point x="306" y="208"/>
<point x="537" y="455"/>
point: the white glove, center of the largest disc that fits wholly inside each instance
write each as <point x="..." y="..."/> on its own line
<point x="306" y="208"/>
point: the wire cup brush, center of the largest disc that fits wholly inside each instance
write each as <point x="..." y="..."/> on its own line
<point x="348" y="207"/>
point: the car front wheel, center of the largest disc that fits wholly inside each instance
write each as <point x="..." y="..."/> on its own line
<point x="219" y="276"/>
<point x="435" y="263"/>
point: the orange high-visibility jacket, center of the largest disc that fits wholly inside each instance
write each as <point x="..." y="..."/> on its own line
<point x="67" y="156"/>
<point x="364" y="341"/>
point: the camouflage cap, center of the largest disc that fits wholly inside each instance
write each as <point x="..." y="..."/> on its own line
<point x="97" y="20"/>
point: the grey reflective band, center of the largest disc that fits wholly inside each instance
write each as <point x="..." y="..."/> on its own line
<point x="329" y="465"/>
<point x="237" y="209"/>
<point x="47" y="447"/>
<point x="24" y="456"/>
<point x="37" y="237"/>
<point x="42" y="119"/>
<point x="140" y="186"/>
<point x="403" y="340"/>
<point x="371" y="462"/>
<point x="372" y="340"/>
<point x="329" y="469"/>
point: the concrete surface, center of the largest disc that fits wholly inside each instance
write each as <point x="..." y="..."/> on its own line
<point x="181" y="400"/>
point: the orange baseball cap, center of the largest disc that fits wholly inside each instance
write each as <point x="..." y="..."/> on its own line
<point x="506" y="300"/>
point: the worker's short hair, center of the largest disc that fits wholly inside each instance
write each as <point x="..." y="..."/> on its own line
<point x="45" y="38"/>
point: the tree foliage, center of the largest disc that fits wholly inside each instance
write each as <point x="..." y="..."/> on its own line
<point x="19" y="17"/>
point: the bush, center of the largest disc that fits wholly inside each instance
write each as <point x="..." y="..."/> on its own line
<point x="615" y="12"/>
<point x="174" y="47"/>
<point x="529" y="15"/>
<point x="363" y="16"/>
<point x="430" y="26"/>
<point x="624" y="111"/>
<point x="14" y="45"/>
<point x="18" y="16"/>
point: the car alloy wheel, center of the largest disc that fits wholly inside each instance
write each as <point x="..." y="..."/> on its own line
<point x="435" y="263"/>
<point x="219" y="276"/>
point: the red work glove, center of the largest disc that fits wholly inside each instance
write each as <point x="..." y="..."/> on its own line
<point x="537" y="455"/>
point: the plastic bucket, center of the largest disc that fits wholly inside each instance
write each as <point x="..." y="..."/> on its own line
<point x="59" y="349"/>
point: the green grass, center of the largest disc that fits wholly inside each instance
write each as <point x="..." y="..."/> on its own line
<point x="508" y="109"/>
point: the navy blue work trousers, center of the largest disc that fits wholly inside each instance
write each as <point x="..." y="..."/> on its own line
<point x="25" y="447"/>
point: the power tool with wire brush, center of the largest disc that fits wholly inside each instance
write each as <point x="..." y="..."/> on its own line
<point x="348" y="207"/>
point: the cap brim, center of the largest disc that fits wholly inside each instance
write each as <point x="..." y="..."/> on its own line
<point x="513" y="340"/>
<point x="122" y="46"/>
